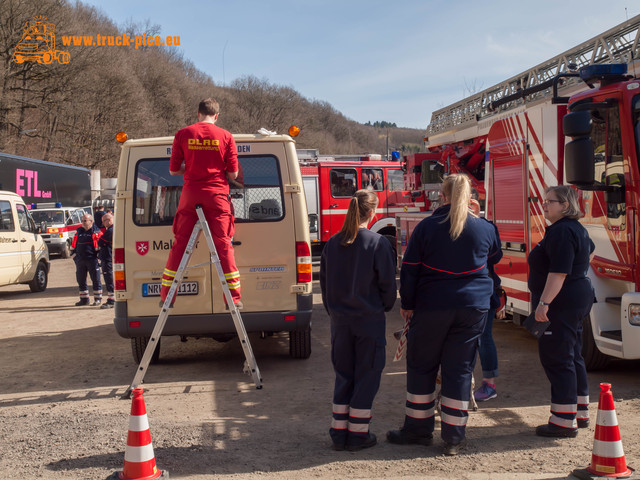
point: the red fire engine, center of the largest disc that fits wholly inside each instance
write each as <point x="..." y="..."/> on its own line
<point x="517" y="128"/>
<point x="330" y="182"/>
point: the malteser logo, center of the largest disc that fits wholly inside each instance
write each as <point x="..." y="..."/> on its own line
<point x="38" y="43"/>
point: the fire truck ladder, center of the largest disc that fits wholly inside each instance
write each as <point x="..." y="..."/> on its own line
<point x="621" y="44"/>
<point x="250" y="365"/>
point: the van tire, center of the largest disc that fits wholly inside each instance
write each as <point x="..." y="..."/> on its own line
<point x="300" y="343"/>
<point x="66" y="250"/>
<point x="139" y="345"/>
<point x="40" y="279"/>
<point x="594" y="359"/>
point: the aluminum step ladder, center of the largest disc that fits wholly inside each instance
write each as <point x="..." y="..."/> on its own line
<point x="250" y="365"/>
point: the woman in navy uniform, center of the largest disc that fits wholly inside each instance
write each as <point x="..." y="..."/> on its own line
<point x="445" y="287"/>
<point x="358" y="282"/>
<point x="563" y="295"/>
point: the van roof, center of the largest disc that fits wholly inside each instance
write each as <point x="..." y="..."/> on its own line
<point x="238" y="137"/>
<point x="13" y="194"/>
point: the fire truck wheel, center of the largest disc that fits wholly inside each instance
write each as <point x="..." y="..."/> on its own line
<point x="139" y="345"/>
<point x="594" y="359"/>
<point x="300" y="343"/>
<point x="66" y="251"/>
<point x="40" y="279"/>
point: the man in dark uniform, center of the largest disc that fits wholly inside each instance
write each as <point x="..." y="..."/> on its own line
<point x="207" y="157"/>
<point x="105" y="242"/>
<point x="85" y="248"/>
<point x="98" y="216"/>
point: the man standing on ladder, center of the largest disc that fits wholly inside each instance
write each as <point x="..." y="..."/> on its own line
<point x="207" y="157"/>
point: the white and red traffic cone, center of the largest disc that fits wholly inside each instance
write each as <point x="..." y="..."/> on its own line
<point x="607" y="460"/>
<point x="139" y="460"/>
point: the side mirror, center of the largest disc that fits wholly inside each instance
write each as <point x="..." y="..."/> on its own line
<point x="579" y="157"/>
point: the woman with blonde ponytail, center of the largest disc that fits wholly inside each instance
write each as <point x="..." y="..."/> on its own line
<point x="445" y="290"/>
<point x="358" y="282"/>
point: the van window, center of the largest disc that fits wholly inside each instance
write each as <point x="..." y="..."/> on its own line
<point x="396" y="182"/>
<point x="343" y="182"/>
<point x="6" y="217"/>
<point x="256" y="195"/>
<point x="26" y="224"/>
<point x="372" y="179"/>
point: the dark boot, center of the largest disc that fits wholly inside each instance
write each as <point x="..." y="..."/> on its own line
<point x="551" y="430"/>
<point x="406" y="437"/>
<point x="83" y="302"/>
<point x="355" y="444"/>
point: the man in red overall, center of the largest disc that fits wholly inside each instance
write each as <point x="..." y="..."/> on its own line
<point x="207" y="157"/>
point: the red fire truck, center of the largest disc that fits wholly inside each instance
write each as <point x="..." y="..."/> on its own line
<point x="518" y="129"/>
<point x="330" y="182"/>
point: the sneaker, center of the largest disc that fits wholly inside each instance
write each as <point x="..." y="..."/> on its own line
<point x="106" y="305"/>
<point x="485" y="392"/>
<point x="83" y="302"/>
<point x="238" y="305"/>
<point x="551" y="430"/>
<point x="367" y="442"/>
<point x="406" y="437"/>
<point x="451" y="449"/>
<point x="97" y="303"/>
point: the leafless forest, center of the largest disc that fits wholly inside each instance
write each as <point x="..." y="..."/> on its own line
<point x="70" y="113"/>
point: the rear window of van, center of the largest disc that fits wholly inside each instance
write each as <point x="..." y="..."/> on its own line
<point x="256" y="195"/>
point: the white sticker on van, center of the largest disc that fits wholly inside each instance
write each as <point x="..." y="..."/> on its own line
<point x="269" y="285"/>
<point x="266" y="269"/>
<point x="244" y="148"/>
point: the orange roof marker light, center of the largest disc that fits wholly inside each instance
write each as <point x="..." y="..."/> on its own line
<point x="121" y="137"/>
<point x="293" y="131"/>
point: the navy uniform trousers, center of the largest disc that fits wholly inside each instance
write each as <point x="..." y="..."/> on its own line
<point x="445" y="340"/>
<point x="358" y="357"/>
<point x="560" y="349"/>
<point x="89" y="265"/>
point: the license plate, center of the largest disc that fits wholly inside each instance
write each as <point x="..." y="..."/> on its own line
<point x="153" y="289"/>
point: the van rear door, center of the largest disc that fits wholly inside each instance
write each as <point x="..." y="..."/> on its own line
<point x="264" y="242"/>
<point x="152" y="199"/>
<point x="10" y="262"/>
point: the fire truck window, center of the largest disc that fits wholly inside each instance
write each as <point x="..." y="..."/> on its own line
<point x="6" y="218"/>
<point x="372" y="179"/>
<point x="609" y="165"/>
<point x="26" y="225"/>
<point x="396" y="183"/>
<point x="343" y="182"/>
<point x="256" y="195"/>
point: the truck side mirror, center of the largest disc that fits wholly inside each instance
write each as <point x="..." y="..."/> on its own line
<point x="579" y="157"/>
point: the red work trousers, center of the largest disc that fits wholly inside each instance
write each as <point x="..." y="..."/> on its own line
<point x="217" y="210"/>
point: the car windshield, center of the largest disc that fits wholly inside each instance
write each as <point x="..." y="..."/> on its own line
<point x="50" y="217"/>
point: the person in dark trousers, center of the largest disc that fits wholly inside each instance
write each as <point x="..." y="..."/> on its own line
<point x="445" y="290"/>
<point x="487" y="348"/>
<point x="358" y="283"/>
<point x="105" y="243"/>
<point x="85" y="251"/>
<point x="563" y="295"/>
<point x="207" y="157"/>
<point x="97" y="220"/>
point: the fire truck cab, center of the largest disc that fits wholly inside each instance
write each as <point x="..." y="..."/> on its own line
<point x="60" y="225"/>
<point x="330" y="182"/>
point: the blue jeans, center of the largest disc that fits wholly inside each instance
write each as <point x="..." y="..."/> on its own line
<point x="487" y="348"/>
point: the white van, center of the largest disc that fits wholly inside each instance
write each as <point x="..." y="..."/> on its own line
<point x="24" y="257"/>
<point x="271" y="244"/>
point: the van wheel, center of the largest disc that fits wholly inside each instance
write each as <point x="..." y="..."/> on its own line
<point x="40" y="279"/>
<point x="594" y="359"/>
<point x="300" y="343"/>
<point x="66" y="250"/>
<point x="139" y="345"/>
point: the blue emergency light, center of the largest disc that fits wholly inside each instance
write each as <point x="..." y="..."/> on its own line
<point x="600" y="72"/>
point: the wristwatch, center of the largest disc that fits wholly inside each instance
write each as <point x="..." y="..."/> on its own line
<point x="544" y="304"/>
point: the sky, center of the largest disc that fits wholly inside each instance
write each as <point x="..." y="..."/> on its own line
<point x="373" y="60"/>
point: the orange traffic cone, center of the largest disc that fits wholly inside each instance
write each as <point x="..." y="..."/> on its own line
<point x="607" y="459"/>
<point x="139" y="460"/>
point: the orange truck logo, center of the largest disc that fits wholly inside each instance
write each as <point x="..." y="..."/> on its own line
<point x="38" y="43"/>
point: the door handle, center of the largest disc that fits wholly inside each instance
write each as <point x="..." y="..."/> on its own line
<point x="335" y="205"/>
<point x="234" y="242"/>
<point x="14" y="241"/>
<point x="23" y="240"/>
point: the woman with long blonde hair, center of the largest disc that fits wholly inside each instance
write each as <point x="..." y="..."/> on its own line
<point x="445" y="289"/>
<point x="358" y="282"/>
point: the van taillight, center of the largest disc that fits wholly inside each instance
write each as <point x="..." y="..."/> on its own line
<point x="118" y="269"/>
<point x="303" y="262"/>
